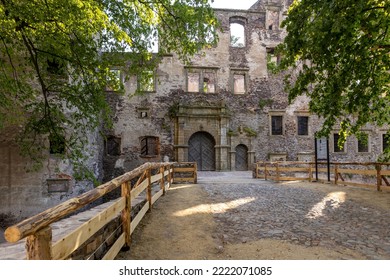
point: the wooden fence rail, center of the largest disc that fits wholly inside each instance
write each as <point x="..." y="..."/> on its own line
<point x="361" y="174"/>
<point x="38" y="232"/>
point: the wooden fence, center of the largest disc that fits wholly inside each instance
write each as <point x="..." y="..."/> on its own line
<point x="369" y="174"/>
<point x="185" y="172"/>
<point x="139" y="181"/>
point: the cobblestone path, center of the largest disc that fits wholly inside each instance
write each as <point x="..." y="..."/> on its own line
<point x="302" y="213"/>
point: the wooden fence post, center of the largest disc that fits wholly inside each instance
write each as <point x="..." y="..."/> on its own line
<point x="126" y="214"/>
<point x="162" y="182"/>
<point x="38" y="245"/>
<point x="195" y="173"/>
<point x="265" y="171"/>
<point x="310" y="173"/>
<point x="169" y="175"/>
<point x="336" y="173"/>
<point x="149" y="189"/>
<point x="277" y="172"/>
<point x="378" y="168"/>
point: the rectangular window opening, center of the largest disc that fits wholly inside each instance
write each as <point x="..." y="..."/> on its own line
<point x="385" y="141"/>
<point x="193" y="82"/>
<point x="363" y="144"/>
<point x="239" y="84"/>
<point x="336" y="147"/>
<point x="147" y="81"/>
<point x="209" y="82"/>
<point x="303" y="125"/>
<point x="149" y="146"/>
<point x="114" y="80"/>
<point x="277" y="125"/>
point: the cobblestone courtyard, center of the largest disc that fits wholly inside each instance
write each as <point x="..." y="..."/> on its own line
<point x="247" y="218"/>
<point x="229" y="215"/>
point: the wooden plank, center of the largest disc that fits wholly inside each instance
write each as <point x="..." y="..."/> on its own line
<point x="67" y="245"/>
<point x="357" y="184"/>
<point x="141" y="187"/>
<point x="38" y="246"/>
<point x="156" y="178"/>
<point x="139" y="217"/>
<point x="149" y="190"/>
<point x="271" y="168"/>
<point x="184" y="169"/>
<point x="385" y="188"/>
<point x="385" y="172"/>
<point x="293" y="179"/>
<point x="305" y="169"/>
<point x="157" y="196"/>
<point x="115" y="248"/>
<point x="126" y="213"/>
<point x="183" y="179"/>
<point x="325" y="170"/>
<point x="357" y="171"/>
<point x="166" y="172"/>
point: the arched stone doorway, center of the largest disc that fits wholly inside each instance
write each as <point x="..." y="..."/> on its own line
<point x="241" y="163"/>
<point x="201" y="149"/>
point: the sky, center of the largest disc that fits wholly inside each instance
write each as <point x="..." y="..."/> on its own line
<point x="233" y="4"/>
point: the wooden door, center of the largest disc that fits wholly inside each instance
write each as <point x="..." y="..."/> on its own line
<point x="241" y="158"/>
<point x="201" y="149"/>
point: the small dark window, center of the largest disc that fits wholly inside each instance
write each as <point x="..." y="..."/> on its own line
<point x="277" y="125"/>
<point x="303" y="125"/>
<point x="363" y="144"/>
<point x="336" y="147"/>
<point x="385" y="141"/>
<point x="113" y="145"/>
<point x="57" y="144"/>
<point x="149" y="146"/>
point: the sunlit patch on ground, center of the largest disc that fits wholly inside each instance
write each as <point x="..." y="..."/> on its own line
<point x="332" y="200"/>
<point x="214" y="208"/>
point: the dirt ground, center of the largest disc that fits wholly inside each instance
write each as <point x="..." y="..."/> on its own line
<point x="181" y="227"/>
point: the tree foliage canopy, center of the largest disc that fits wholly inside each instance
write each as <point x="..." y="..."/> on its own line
<point x="341" y="51"/>
<point x="53" y="73"/>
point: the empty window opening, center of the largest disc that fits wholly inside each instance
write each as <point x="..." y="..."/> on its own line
<point x="149" y="146"/>
<point x="239" y="84"/>
<point x="201" y="80"/>
<point x="277" y="125"/>
<point x="113" y="145"/>
<point x="143" y="114"/>
<point x="336" y="147"/>
<point x="303" y="125"/>
<point x="114" y="80"/>
<point x="385" y="141"/>
<point x="363" y="143"/>
<point x="237" y="35"/>
<point x="147" y="81"/>
<point x="272" y="57"/>
<point x="193" y="82"/>
<point x="209" y="82"/>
